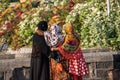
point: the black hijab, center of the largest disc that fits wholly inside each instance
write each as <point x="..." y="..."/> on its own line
<point x="42" y="25"/>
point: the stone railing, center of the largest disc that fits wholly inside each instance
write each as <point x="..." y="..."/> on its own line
<point x="102" y="65"/>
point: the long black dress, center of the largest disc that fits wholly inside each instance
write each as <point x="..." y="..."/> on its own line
<point x="39" y="59"/>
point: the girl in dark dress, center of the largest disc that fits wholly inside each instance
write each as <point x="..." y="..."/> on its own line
<point x="39" y="57"/>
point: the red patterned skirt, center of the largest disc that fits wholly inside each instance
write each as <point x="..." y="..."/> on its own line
<point x="77" y="64"/>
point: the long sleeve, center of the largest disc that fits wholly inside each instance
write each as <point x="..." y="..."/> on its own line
<point x="45" y="49"/>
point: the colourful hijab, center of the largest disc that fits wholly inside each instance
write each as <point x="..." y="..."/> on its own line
<point x="55" y="36"/>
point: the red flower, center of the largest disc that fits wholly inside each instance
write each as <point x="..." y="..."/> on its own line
<point x="1" y="34"/>
<point x="8" y="25"/>
<point x="19" y="13"/>
<point x="71" y="3"/>
<point x="12" y="21"/>
<point x="18" y="47"/>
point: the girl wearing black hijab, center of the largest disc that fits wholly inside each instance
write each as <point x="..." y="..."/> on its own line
<point x="39" y="57"/>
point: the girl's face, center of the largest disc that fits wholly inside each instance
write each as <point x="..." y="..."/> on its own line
<point x="68" y="28"/>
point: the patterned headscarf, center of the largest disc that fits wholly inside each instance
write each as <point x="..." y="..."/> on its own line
<point x="54" y="37"/>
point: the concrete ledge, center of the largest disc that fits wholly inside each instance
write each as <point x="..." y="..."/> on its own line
<point x="21" y="55"/>
<point x="15" y="56"/>
<point x="89" y="54"/>
<point x="10" y="64"/>
<point x="7" y="56"/>
<point x="99" y="56"/>
<point x="99" y="63"/>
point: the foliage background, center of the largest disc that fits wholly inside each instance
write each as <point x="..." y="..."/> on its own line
<point x="96" y="28"/>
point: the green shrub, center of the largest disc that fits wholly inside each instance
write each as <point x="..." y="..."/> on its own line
<point x="96" y="28"/>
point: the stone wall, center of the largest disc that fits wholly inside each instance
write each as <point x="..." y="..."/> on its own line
<point x="11" y="68"/>
<point x="102" y="65"/>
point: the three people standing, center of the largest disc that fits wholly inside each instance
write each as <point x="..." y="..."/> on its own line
<point x="41" y="52"/>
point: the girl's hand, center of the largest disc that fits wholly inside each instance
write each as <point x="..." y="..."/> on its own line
<point x="54" y="49"/>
